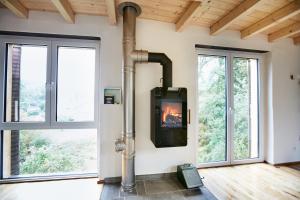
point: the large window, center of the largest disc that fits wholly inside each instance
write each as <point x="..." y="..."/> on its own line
<point x="48" y="106"/>
<point x="228" y="108"/>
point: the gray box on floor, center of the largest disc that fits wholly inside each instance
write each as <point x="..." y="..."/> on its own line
<point x="188" y="175"/>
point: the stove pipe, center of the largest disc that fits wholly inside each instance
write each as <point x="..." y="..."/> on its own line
<point x="131" y="56"/>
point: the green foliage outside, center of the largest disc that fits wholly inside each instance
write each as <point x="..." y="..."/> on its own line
<point x="51" y="151"/>
<point x="32" y="103"/>
<point x="39" y="154"/>
<point x="241" y="111"/>
<point x="212" y="109"/>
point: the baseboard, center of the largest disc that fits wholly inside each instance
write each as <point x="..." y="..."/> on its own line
<point x="112" y="179"/>
<point x="270" y="163"/>
<point x="283" y="163"/>
<point x="287" y="163"/>
<point x="229" y="165"/>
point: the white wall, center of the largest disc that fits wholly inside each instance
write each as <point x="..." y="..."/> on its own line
<point x="286" y="103"/>
<point x="180" y="47"/>
<point x="269" y="128"/>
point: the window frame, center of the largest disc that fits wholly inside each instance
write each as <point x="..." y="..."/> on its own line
<point x="3" y="61"/>
<point x="51" y="82"/>
<point x="260" y="59"/>
<point x="230" y="106"/>
<point x="49" y="40"/>
<point x="226" y="55"/>
<point x="54" y="83"/>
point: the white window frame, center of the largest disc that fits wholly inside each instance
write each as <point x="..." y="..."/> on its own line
<point x="260" y="60"/>
<point x="51" y="82"/>
<point x="230" y="107"/>
<point x="82" y="124"/>
<point x="22" y="125"/>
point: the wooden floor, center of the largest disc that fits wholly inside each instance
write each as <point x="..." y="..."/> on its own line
<point x="80" y="189"/>
<point x="254" y="181"/>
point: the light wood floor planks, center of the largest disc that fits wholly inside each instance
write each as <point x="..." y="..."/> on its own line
<point x="80" y="189"/>
<point x="255" y="181"/>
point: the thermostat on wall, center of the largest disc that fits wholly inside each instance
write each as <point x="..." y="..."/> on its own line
<point x="112" y="96"/>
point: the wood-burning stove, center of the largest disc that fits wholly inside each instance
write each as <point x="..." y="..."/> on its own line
<point x="169" y="117"/>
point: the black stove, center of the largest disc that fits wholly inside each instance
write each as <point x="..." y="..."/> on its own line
<point x="169" y="117"/>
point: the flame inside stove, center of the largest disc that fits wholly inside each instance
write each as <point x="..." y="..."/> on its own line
<point x="171" y="114"/>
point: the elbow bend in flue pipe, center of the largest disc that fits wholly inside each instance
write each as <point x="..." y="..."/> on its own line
<point x="142" y="56"/>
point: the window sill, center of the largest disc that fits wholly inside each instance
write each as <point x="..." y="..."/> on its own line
<point x="47" y="178"/>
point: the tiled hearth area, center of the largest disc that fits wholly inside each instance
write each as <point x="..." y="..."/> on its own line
<point x="166" y="187"/>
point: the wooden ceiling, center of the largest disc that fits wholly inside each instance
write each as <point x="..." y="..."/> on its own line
<point x="275" y="18"/>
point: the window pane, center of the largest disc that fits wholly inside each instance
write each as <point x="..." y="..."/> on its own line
<point x="245" y="91"/>
<point x="25" y="83"/>
<point x="75" y="84"/>
<point x="212" y="108"/>
<point x="49" y="152"/>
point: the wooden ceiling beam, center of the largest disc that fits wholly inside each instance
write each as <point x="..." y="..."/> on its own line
<point x="284" y="32"/>
<point x="280" y="15"/>
<point x="16" y="7"/>
<point x="187" y="15"/>
<point x="65" y="9"/>
<point x="111" y="11"/>
<point x="240" y="10"/>
<point x="297" y="40"/>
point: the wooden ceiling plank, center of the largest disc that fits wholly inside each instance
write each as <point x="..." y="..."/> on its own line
<point x="285" y="32"/>
<point x="16" y="7"/>
<point x="297" y="40"/>
<point x="111" y="11"/>
<point x="225" y="21"/>
<point x="65" y="9"/>
<point x="187" y="15"/>
<point x="280" y="15"/>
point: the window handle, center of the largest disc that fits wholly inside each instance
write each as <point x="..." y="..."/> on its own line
<point x="49" y="86"/>
<point x="189" y="116"/>
<point x="16" y="111"/>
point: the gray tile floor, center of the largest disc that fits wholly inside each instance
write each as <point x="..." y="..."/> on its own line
<point x="163" y="188"/>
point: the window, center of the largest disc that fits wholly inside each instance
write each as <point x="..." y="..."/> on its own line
<point x="48" y="106"/>
<point x="25" y="91"/>
<point x="212" y="108"/>
<point x="75" y="103"/>
<point x="245" y="101"/>
<point x="228" y="108"/>
<point x="49" y="152"/>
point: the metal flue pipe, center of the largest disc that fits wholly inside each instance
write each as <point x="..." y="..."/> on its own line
<point x="126" y="144"/>
<point x="166" y="64"/>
